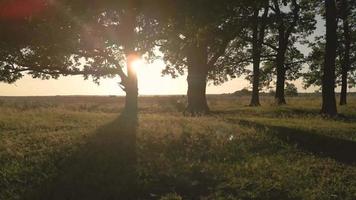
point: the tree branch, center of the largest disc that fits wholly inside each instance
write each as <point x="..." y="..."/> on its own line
<point x="270" y="46"/>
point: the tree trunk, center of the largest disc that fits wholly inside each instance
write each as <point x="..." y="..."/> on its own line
<point x="281" y="76"/>
<point x="255" y="100"/>
<point x="281" y="72"/>
<point x="346" y="57"/>
<point x="258" y="38"/>
<point x="328" y="81"/>
<point x="256" y="56"/>
<point x="197" y="79"/>
<point x="128" y="35"/>
<point x="343" y="92"/>
<point x="131" y="105"/>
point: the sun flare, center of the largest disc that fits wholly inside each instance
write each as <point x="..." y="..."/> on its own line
<point x="137" y="64"/>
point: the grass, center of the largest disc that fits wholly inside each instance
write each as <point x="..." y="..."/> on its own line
<point x="78" y="148"/>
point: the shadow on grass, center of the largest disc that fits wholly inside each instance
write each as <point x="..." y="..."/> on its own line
<point x="285" y="112"/>
<point x="325" y="146"/>
<point x="103" y="169"/>
<point x="278" y="112"/>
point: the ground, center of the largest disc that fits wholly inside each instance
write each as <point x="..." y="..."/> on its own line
<point x="80" y="148"/>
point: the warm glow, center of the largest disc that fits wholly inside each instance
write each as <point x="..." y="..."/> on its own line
<point x="137" y="64"/>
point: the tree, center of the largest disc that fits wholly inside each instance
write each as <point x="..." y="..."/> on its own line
<point x="345" y="57"/>
<point x="345" y="14"/>
<point x="290" y="21"/>
<point x="34" y="40"/>
<point x="258" y="33"/>
<point x="195" y="40"/>
<point x="328" y="80"/>
<point x="97" y="39"/>
<point x="291" y="89"/>
<point x="112" y="38"/>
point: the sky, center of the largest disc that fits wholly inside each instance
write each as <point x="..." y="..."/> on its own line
<point x="150" y="79"/>
<point x="151" y="82"/>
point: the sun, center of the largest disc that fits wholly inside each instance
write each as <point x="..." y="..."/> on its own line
<point x="137" y="64"/>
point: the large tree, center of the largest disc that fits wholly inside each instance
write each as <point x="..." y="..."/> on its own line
<point x="328" y="80"/>
<point x="290" y="21"/>
<point x="96" y="39"/>
<point x="345" y="62"/>
<point x="346" y="14"/>
<point x="256" y="17"/>
<point x="194" y="39"/>
<point x="114" y="35"/>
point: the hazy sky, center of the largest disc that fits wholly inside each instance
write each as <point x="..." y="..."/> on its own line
<point x="150" y="83"/>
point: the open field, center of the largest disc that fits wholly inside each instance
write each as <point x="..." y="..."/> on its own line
<point x="77" y="148"/>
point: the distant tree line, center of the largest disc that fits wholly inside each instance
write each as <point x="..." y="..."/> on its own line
<point x="208" y="40"/>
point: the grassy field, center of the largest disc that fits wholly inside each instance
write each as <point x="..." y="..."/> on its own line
<point x="79" y="148"/>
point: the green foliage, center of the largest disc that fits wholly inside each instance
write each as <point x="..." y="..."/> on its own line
<point x="35" y="44"/>
<point x="291" y="90"/>
<point x="211" y="25"/>
<point x="290" y="22"/>
<point x="74" y="38"/>
<point x="314" y="73"/>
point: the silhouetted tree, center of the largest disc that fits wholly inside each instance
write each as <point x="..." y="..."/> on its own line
<point x="290" y="21"/>
<point x="96" y="39"/>
<point x="42" y="40"/>
<point x="328" y="80"/>
<point x="194" y="39"/>
<point x="345" y="62"/>
<point x="257" y="27"/>
<point x="113" y="38"/>
<point x="345" y="10"/>
<point x="33" y="41"/>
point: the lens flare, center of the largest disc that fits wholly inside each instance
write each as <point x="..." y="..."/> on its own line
<point x="137" y="64"/>
<point x="20" y="9"/>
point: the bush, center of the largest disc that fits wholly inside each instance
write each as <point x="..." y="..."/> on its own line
<point x="291" y="90"/>
<point x="272" y="92"/>
<point x="243" y="92"/>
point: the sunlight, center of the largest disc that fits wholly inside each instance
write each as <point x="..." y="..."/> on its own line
<point x="137" y="65"/>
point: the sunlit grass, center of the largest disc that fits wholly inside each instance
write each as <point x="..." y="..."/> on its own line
<point x="230" y="154"/>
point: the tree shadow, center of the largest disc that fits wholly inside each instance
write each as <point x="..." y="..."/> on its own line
<point x="324" y="146"/>
<point x="104" y="169"/>
<point x="278" y="112"/>
<point x="286" y="112"/>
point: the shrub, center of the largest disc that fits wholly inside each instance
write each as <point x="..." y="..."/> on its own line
<point x="291" y="90"/>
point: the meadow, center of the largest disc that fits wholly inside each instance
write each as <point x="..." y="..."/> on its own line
<point x="78" y="147"/>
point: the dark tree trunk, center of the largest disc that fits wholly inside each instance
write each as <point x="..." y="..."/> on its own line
<point x="281" y="72"/>
<point x="256" y="56"/>
<point x="328" y="81"/>
<point x="197" y="79"/>
<point x="128" y="34"/>
<point x="279" y="98"/>
<point x="284" y="32"/>
<point x="255" y="100"/>
<point x="343" y="92"/>
<point x="258" y="38"/>
<point x="346" y="56"/>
